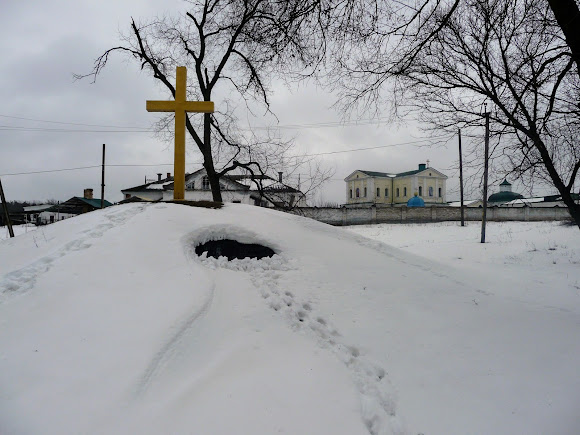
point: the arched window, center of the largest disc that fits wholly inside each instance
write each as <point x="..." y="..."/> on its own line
<point x="378" y="192"/>
<point x="386" y="192"/>
<point x="365" y="192"/>
<point x="420" y="190"/>
<point x="351" y="193"/>
<point x="357" y="192"/>
<point x="430" y="191"/>
<point x="205" y="183"/>
<point x="397" y="192"/>
<point x="439" y="192"/>
<point x="404" y="191"/>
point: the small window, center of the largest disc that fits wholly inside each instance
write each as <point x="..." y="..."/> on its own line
<point x="439" y="192"/>
<point x="365" y="192"/>
<point x="386" y="192"/>
<point x="378" y="192"/>
<point x="420" y="190"/>
<point x="351" y="193"/>
<point x="357" y="192"/>
<point x="404" y="191"/>
<point x="397" y="192"/>
<point x="430" y="191"/>
<point x="205" y="183"/>
<point x="237" y="201"/>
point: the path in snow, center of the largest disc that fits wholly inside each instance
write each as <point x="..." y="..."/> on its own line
<point x="378" y="405"/>
<point x="21" y="280"/>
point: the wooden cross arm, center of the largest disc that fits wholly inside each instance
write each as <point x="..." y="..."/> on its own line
<point x="187" y="106"/>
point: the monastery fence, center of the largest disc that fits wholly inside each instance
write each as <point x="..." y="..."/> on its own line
<point x="389" y="214"/>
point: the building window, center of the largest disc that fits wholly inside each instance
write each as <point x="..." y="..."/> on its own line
<point x="127" y="195"/>
<point x="351" y="193"/>
<point x="378" y="192"/>
<point x="386" y="192"/>
<point x="205" y="183"/>
<point x="397" y="192"/>
<point x="430" y="191"/>
<point x="404" y="191"/>
<point x="365" y="192"/>
<point x="420" y="190"/>
<point x="439" y="192"/>
<point x="357" y="192"/>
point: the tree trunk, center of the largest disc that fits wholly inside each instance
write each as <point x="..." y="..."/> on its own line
<point x="573" y="208"/>
<point x="567" y="15"/>
<point x="208" y="164"/>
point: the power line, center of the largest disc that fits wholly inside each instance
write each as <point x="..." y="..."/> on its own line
<point x="377" y="147"/>
<point x="67" y="123"/>
<point x="91" y="167"/>
<point x="63" y="130"/>
<point x="199" y="163"/>
<point x="329" y="124"/>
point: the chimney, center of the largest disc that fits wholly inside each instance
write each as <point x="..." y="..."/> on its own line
<point x="169" y="175"/>
<point x="280" y="177"/>
<point x="159" y="176"/>
<point x="422" y="166"/>
<point x="88" y="194"/>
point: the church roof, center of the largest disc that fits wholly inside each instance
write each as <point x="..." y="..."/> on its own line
<point x="504" y="196"/>
<point x="377" y="174"/>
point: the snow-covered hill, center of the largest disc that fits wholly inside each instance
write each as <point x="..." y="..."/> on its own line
<point x="110" y="323"/>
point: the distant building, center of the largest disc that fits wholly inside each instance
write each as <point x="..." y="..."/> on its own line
<point x="71" y="207"/>
<point x="197" y="188"/>
<point x="504" y="195"/>
<point x="370" y="187"/>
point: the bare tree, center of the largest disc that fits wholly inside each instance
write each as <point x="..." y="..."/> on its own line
<point x="445" y="59"/>
<point x="233" y="47"/>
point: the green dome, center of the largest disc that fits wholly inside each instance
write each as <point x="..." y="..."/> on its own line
<point x="504" y="197"/>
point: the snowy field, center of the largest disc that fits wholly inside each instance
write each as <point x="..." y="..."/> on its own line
<point x="18" y="229"/>
<point x="110" y="323"/>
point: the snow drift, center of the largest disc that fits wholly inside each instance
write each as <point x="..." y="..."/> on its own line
<point x="111" y="323"/>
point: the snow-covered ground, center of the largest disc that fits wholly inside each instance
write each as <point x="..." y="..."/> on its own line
<point x="18" y="229"/>
<point x="110" y="323"/>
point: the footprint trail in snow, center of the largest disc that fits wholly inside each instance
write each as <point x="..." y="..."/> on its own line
<point x="377" y="398"/>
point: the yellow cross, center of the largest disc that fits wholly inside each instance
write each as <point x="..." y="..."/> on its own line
<point x="180" y="106"/>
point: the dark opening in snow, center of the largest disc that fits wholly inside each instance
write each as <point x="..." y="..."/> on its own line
<point x="233" y="249"/>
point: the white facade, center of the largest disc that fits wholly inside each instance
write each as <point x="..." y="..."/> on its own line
<point x="49" y="217"/>
<point x="197" y="188"/>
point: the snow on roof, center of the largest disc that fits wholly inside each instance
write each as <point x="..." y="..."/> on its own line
<point x="159" y="186"/>
<point x="32" y="208"/>
<point x="466" y="202"/>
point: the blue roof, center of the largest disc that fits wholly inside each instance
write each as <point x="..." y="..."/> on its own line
<point x="416" y="202"/>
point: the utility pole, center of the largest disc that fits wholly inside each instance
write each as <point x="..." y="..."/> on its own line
<point x="461" y="180"/>
<point x="103" y="180"/>
<point x="5" y="206"/>
<point x="485" y="168"/>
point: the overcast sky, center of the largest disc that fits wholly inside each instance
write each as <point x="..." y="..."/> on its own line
<point x="66" y="121"/>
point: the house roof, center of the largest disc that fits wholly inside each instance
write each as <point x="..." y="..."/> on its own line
<point x="279" y="187"/>
<point x="154" y="185"/>
<point x="400" y="174"/>
<point x="70" y="204"/>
